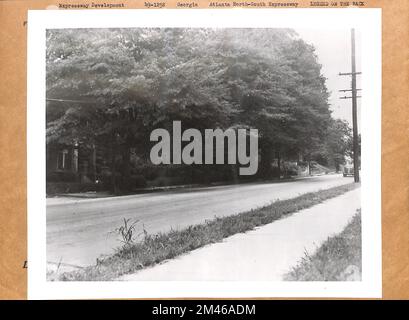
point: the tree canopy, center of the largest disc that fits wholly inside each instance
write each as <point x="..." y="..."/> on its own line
<point x="114" y="86"/>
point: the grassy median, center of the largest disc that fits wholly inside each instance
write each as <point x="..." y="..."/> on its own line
<point x="337" y="259"/>
<point x="156" y="248"/>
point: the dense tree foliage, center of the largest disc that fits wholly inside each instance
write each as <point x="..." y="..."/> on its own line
<point x="112" y="87"/>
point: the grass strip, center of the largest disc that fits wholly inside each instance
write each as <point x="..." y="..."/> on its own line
<point x="162" y="246"/>
<point x="337" y="259"/>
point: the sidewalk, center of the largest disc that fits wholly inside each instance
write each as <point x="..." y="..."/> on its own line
<point x="92" y="195"/>
<point x="68" y="198"/>
<point x="264" y="254"/>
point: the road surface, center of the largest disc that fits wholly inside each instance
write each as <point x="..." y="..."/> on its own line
<point x="79" y="231"/>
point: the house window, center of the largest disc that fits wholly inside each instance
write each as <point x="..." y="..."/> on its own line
<point x="62" y="160"/>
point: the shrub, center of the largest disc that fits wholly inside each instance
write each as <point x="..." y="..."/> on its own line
<point x="139" y="181"/>
<point x="61" y="176"/>
<point x="53" y="188"/>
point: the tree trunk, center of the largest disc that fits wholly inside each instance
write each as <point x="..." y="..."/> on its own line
<point x="266" y="155"/>
<point x="94" y="162"/>
<point x="126" y="169"/>
<point x="114" y="182"/>
<point x="336" y="166"/>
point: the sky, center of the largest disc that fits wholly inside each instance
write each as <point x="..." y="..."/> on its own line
<point x="333" y="48"/>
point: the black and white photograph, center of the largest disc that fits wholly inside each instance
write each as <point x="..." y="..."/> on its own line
<point x="222" y="149"/>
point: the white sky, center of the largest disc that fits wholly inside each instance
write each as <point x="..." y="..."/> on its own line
<point x="333" y="48"/>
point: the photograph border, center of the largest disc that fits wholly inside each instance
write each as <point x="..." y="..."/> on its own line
<point x="367" y="21"/>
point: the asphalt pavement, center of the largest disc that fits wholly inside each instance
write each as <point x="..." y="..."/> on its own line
<point x="79" y="231"/>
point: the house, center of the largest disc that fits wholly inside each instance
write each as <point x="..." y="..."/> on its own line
<point x="73" y="163"/>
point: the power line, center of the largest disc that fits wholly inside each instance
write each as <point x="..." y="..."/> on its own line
<point x="67" y="100"/>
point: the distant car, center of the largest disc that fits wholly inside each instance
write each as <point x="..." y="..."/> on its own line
<point x="348" y="171"/>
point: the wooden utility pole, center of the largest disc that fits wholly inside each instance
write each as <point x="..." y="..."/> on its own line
<point x="354" y="97"/>
<point x="354" y="108"/>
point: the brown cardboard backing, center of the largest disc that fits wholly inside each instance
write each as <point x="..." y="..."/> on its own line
<point x="395" y="140"/>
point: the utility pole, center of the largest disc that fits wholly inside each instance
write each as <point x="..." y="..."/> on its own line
<point x="354" y="97"/>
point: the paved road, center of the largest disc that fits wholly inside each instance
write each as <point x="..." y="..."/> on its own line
<point x="78" y="231"/>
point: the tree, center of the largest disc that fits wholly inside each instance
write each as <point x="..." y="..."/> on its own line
<point x="112" y="87"/>
<point x="337" y="146"/>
